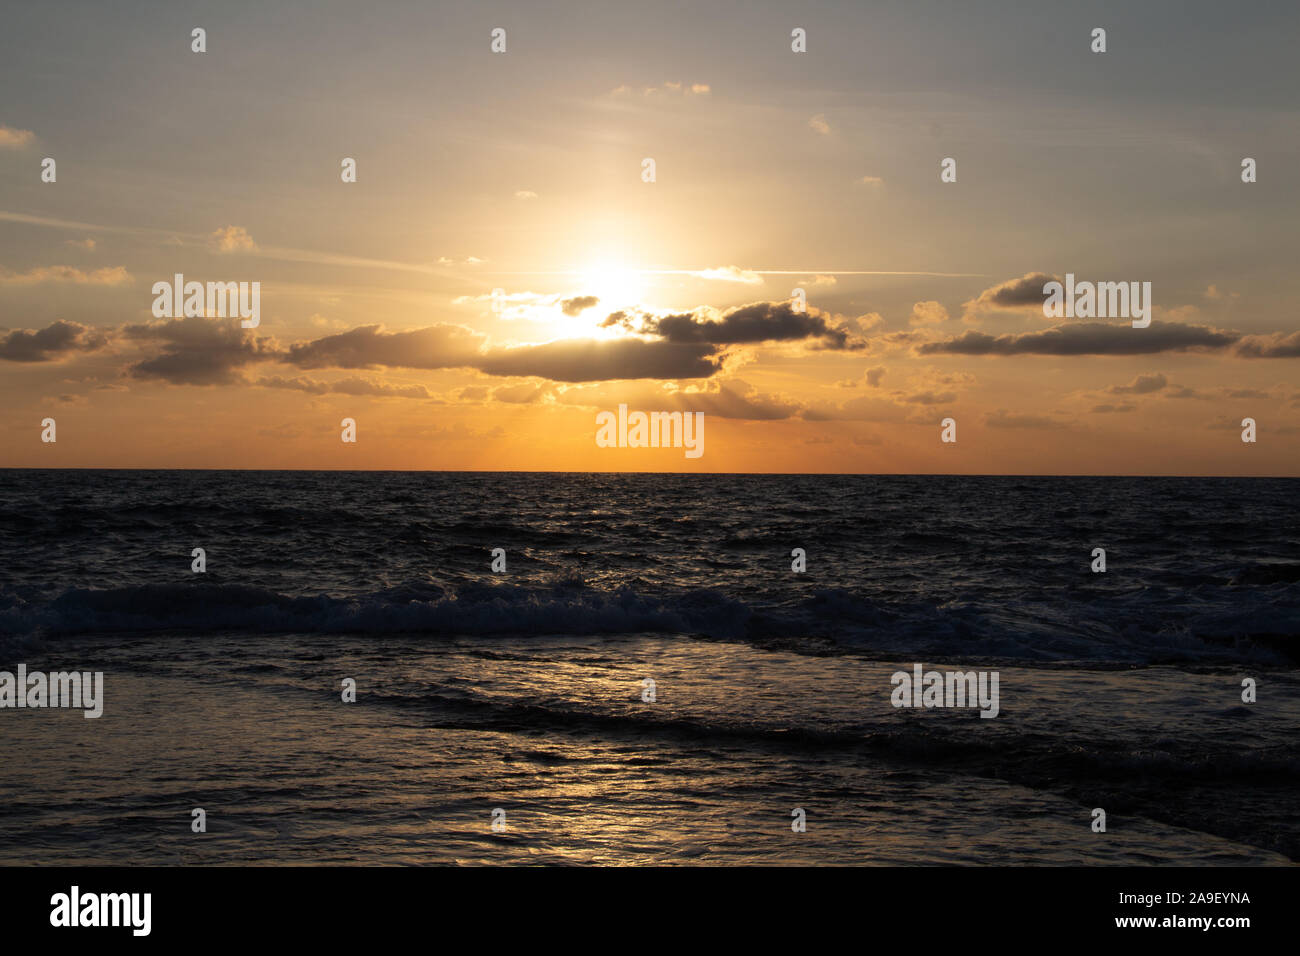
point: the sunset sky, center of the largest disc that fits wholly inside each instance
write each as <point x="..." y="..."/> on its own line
<point x="522" y="172"/>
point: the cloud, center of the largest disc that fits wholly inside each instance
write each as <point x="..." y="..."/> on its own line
<point x="928" y="313"/>
<point x="1142" y="385"/>
<point x="1005" y="419"/>
<point x="928" y="398"/>
<point x="522" y="394"/>
<point x="669" y="88"/>
<point x="1023" y="293"/>
<point x="864" y="408"/>
<point x="871" y="378"/>
<point x="55" y="340"/>
<point x="525" y="194"/>
<point x="1215" y="294"/>
<point x="454" y="346"/>
<point x="198" y="351"/>
<point x="870" y="180"/>
<point x="525" y="393"/>
<point x="1224" y="423"/>
<point x="1087" y="338"/>
<point x="743" y="325"/>
<point x="233" y="239"/>
<point x="1277" y="345"/>
<point x="586" y="360"/>
<point x="729" y="274"/>
<point x="11" y="138"/>
<point x="578" y="304"/>
<point x="819" y="125"/>
<point x="346" y="386"/>
<point x="870" y="320"/>
<point x="734" y="400"/>
<point x="1125" y="407"/>
<point x="87" y="244"/>
<point x="115" y="276"/>
<point x="369" y="346"/>
<point x="529" y="306"/>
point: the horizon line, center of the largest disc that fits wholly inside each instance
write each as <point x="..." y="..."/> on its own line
<point x="748" y="474"/>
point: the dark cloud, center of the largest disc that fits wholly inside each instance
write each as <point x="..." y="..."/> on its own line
<point x="587" y="360"/>
<point x="578" y="304"/>
<point x="743" y="325"/>
<point x="685" y="346"/>
<point x="1014" y="293"/>
<point x="198" y="351"/>
<point x="55" y="340"/>
<point x="205" y="352"/>
<point x="1125" y="407"/>
<point x="369" y="346"/>
<point x="1087" y="338"/>
<point x="1142" y="385"/>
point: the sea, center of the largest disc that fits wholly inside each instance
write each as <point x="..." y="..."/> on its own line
<point x="629" y="669"/>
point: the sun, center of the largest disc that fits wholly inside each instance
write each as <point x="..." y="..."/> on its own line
<point x="617" y="286"/>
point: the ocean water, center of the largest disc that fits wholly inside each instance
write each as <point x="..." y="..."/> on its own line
<point x="522" y="691"/>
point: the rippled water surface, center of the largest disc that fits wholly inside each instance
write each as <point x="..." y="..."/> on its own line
<point x="523" y="690"/>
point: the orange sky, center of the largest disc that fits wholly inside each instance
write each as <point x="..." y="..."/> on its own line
<point x="523" y="172"/>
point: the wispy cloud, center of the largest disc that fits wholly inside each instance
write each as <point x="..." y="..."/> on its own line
<point x="114" y="276"/>
<point x="11" y="138"/>
<point x="729" y="274"/>
<point x="233" y="239"/>
<point x="668" y="88"/>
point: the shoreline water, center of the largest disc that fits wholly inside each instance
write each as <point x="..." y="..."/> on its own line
<point x="521" y="690"/>
<point x="256" y="733"/>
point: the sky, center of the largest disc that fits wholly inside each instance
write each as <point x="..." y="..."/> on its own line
<point x="500" y="272"/>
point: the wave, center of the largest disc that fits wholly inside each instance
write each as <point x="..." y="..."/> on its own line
<point x="1135" y="628"/>
<point x="565" y="608"/>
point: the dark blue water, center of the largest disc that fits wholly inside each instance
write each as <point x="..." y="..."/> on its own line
<point x="522" y="689"/>
<point x="1197" y="569"/>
